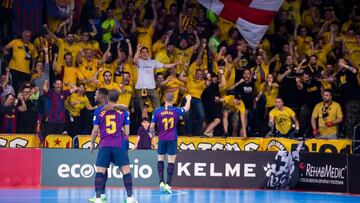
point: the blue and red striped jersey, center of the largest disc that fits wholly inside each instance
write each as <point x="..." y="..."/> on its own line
<point x="111" y="125"/>
<point x="56" y="108"/>
<point x="167" y="120"/>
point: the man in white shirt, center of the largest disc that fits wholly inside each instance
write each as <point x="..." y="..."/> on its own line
<point x="145" y="85"/>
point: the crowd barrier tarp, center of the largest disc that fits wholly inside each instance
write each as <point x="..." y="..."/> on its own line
<point x="76" y="167"/>
<point x="354" y="170"/>
<point x="20" y="167"/>
<point x="58" y="141"/>
<point x="324" y="172"/>
<point x="191" y="143"/>
<point x="19" y="140"/>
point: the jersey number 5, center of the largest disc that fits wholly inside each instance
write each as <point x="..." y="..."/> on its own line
<point x="110" y="124"/>
<point x="167" y="122"/>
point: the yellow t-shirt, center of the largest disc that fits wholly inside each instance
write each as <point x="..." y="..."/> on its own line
<point x="271" y="96"/>
<point x="293" y="6"/>
<point x="64" y="48"/>
<point x="323" y="114"/>
<point x="76" y="109"/>
<point x="304" y="44"/>
<point x="111" y="86"/>
<point x="282" y="119"/>
<point x="20" y="59"/>
<point x="145" y="37"/>
<point x="195" y="87"/>
<point x="229" y="104"/>
<point x="71" y="75"/>
<point x="174" y="83"/>
<point x="259" y="85"/>
<point x="355" y="56"/>
<point x="157" y="46"/>
<point x="126" y="95"/>
<point x="307" y="20"/>
<point x="224" y="27"/>
<point x="322" y="53"/>
<point x="164" y="58"/>
<point x="194" y="66"/>
<point x="184" y="56"/>
<point x="88" y="70"/>
<point x="107" y="67"/>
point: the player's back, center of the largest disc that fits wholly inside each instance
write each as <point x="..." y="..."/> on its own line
<point x="167" y="119"/>
<point x="111" y="124"/>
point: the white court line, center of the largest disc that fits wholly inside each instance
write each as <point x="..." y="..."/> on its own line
<point x="175" y="193"/>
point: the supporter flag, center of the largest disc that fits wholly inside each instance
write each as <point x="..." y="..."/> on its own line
<point x="28" y="15"/>
<point x="252" y="17"/>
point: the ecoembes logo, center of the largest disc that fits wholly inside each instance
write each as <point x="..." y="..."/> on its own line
<point x="87" y="170"/>
<point x="327" y="171"/>
<point x="216" y="170"/>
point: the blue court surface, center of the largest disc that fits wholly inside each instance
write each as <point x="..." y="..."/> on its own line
<point x="75" y="195"/>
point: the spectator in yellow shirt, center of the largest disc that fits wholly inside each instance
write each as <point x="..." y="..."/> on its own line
<point x="326" y="117"/>
<point x="108" y="82"/>
<point x="71" y="74"/>
<point x="126" y="91"/>
<point x="75" y="104"/>
<point x="195" y="85"/>
<point x="146" y="32"/>
<point x="280" y="118"/>
<point x="23" y="51"/>
<point x="166" y="56"/>
<point x="235" y="106"/>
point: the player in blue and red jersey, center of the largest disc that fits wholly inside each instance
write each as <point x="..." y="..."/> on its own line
<point x="166" y="118"/>
<point x="111" y="146"/>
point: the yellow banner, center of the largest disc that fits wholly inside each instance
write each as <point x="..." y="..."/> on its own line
<point x="19" y="140"/>
<point x="58" y="141"/>
<point x="276" y="144"/>
<point x="332" y="146"/>
<point x="242" y="144"/>
<point x="189" y="143"/>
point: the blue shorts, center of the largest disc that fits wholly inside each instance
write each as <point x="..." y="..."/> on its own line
<point x="167" y="147"/>
<point x="118" y="156"/>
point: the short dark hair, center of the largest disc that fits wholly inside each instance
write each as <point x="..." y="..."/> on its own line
<point x="107" y="72"/>
<point x="67" y="54"/>
<point x="113" y="95"/>
<point x="103" y="92"/>
<point x="145" y="119"/>
<point x="328" y="90"/>
<point x="142" y="48"/>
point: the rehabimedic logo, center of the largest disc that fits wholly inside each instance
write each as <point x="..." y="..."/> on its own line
<point x="88" y="171"/>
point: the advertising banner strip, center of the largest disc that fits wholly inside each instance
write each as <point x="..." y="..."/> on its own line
<point x="20" y="167"/>
<point x="209" y="169"/>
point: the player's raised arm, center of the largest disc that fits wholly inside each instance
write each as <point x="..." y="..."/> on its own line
<point x="188" y="102"/>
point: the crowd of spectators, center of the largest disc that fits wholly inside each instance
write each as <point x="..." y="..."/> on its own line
<point x="302" y="80"/>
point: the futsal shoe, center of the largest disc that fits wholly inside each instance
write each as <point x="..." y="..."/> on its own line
<point x="162" y="187"/>
<point x="102" y="197"/>
<point x="130" y="200"/>
<point x="167" y="189"/>
<point x="99" y="200"/>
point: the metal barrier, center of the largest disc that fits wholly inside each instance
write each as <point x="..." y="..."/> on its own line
<point x="356" y="139"/>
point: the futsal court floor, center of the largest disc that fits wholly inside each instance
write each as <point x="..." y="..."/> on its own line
<point x="180" y="195"/>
